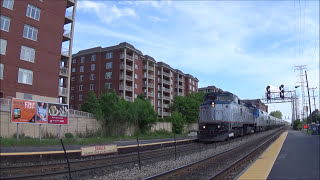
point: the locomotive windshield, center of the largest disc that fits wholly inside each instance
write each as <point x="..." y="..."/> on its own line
<point x="225" y="98"/>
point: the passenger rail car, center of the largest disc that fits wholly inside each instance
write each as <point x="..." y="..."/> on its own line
<point x="223" y="115"/>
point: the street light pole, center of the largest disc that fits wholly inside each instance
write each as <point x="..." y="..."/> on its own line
<point x="308" y="97"/>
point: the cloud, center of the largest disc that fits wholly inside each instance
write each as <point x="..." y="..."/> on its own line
<point x="156" y="19"/>
<point x="106" y="11"/>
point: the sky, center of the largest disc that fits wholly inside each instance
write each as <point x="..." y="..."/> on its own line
<point x="239" y="46"/>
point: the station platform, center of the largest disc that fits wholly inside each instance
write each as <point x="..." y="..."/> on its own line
<point x="294" y="155"/>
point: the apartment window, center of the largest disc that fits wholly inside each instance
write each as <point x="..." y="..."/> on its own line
<point x="74" y="61"/>
<point x="81" y="68"/>
<point x="91" y="76"/>
<point x="136" y="66"/>
<point x="33" y="12"/>
<point x="190" y="80"/>
<point x="73" y="78"/>
<point x="190" y="87"/>
<point x="108" y="65"/>
<point x="5" y="23"/>
<point x="1" y="70"/>
<point x="71" y="106"/>
<point x="27" y="53"/>
<point x="136" y="76"/>
<point x="93" y="57"/>
<point x="80" y="87"/>
<point x="73" y="69"/>
<point x="109" y="55"/>
<point x="135" y="96"/>
<point x="91" y="87"/>
<point x="93" y="67"/>
<point x="30" y="32"/>
<point x="193" y="88"/>
<point x="82" y="59"/>
<point x="80" y="99"/>
<point x="72" y="97"/>
<point x="108" y="85"/>
<point x="135" y="56"/>
<point x="8" y="4"/>
<point x="72" y="88"/>
<point x="108" y="75"/>
<point x="136" y="86"/>
<point x="81" y="77"/>
<point x="25" y="76"/>
<point x="3" y="45"/>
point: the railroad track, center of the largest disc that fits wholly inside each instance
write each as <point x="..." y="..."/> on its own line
<point x="222" y="165"/>
<point x="55" y="169"/>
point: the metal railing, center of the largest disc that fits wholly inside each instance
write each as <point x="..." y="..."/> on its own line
<point x="166" y="82"/>
<point x="65" y="51"/>
<point x="63" y="91"/>
<point x="166" y="74"/>
<point x="128" y="98"/>
<point x="76" y="113"/>
<point x="166" y="98"/>
<point x="151" y="68"/>
<point x="166" y="90"/>
<point x="128" y="88"/>
<point x="127" y="67"/>
<point x="150" y="85"/>
<point x="150" y="76"/>
<point x="166" y="105"/>
<point x="127" y="57"/>
<point x="166" y="114"/>
<point x="64" y="71"/>
<point x="130" y="78"/>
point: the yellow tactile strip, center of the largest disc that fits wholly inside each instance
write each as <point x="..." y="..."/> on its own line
<point x="261" y="168"/>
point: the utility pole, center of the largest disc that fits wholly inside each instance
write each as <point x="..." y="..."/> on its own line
<point x="302" y="81"/>
<point x="308" y="97"/>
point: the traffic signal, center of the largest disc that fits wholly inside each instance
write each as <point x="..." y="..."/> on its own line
<point x="281" y="88"/>
<point x="268" y="93"/>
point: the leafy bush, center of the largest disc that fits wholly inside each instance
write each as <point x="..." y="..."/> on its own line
<point x="68" y="135"/>
<point x="297" y="125"/>
<point x="178" y="122"/>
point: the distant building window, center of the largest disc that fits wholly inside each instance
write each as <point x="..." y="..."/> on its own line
<point x="193" y="88"/>
<point x="80" y="99"/>
<point x="8" y="4"/>
<point x="136" y="76"/>
<point x="190" y="87"/>
<point x="136" y="86"/>
<point x="135" y="56"/>
<point x="190" y="80"/>
<point x="82" y="59"/>
<point x="136" y="66"/>
<point x="81" y="68"/>
<point x="73" y="69"/>
<point x="74" y="61"/>
<point x="73" y="78"/>
<point x="33" y="12"/>
<point x="72" y="97"/>
<point x="27" y="53"/>
<point x="81" y="77"/>
<point x="30" y="32"/>
<point x="25" y="76"/>
<point x="80" y="87"/>
<point x="109" y="55"/>
<point x="108" y="65"/>
<point x="108" y="85"/>
<point x="1" y="70"/>
<point x="91" y="87"/>
<point x="71" y="106"/>
<point x="92" y="77"/>
<point x="93" y="57"/>
<point x="108" y="75"/>
<point x="135" y="96"/>
<point x="3" y="45"/>
<point x="72" y="88"/>
<point x="93" y="67"/>
<point x="5" y="23"/>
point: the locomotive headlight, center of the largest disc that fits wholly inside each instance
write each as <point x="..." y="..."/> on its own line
<point x="204" y="126"/>
<point x="212" y="104"/>
<point x="218" y="126"/>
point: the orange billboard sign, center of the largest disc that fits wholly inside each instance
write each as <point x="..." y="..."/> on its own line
<point x="23" y="111"/>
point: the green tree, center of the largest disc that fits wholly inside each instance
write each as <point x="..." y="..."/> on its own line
<point x="188" y="106"/>
<point x="276" y="114"/>
<point x="144" y="114"/>
<point x="92" y="105"/>
<point x="297" y="125"/>
<point x="315" y="116"/>
<point x="178" y="122"/>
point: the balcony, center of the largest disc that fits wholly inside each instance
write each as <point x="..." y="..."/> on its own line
<point x="166" y="82"/>
<point x="68" y="17"/>
<point x="130" y="78"/>
<point x="166" y="74"/>
<point x="70" y="3"/>
<point x="127" y="67"/>
<point x="63" y="91"/>
<point x="166" y="114"/>
<point x="128" y="88"/>
<point x="64" y="71"/>
<point x="165" y="105"/>
<point x="151" y="68"/>
<point x="66" y="35"/>
<point x="65" y="52"/>
<point x="150" y="85"/>
<point x="128" y="98"/>
<point x="150" y="76"/>
<point x="127" y="57"/>
<point x="166" y="98"/>
<point x="166" y="90"/>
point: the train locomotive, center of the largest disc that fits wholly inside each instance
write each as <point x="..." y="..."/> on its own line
<point x="223" y="115"/>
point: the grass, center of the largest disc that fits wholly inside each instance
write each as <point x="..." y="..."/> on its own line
<point x="28" y="141"/>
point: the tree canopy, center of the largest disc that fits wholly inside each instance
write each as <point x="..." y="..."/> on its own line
<point x="276" y="114"/>
<point x="315" y="116"/>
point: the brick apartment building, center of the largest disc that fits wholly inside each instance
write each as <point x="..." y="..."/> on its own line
<point x="36" y="42"/>
<point x="130" y="73"/>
